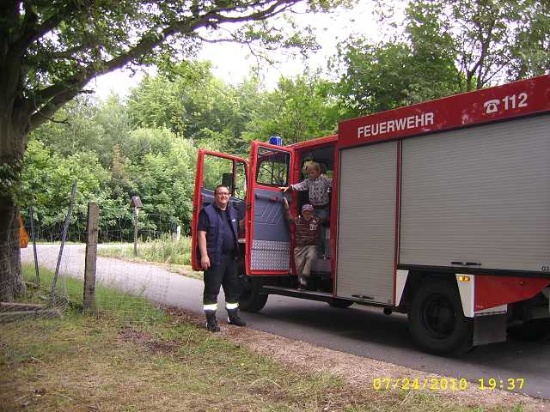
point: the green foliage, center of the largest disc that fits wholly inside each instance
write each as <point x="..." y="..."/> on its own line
<point x="165" y="182"/>
<point x="112" y="116"/>
<point x="226" y="118"/>
<point x="299" y="109"/>
<point x="376" y="78"/>
<point x="247" y="98"/>
<point x="10" y="174"/>
<point x="373" y="79"/>
<point x="84" y="125"/>
<point x="190" y="102"/>
<point x="81" y="40"/>
<point x="142" y="142"/>
<point x="151" y="163"/>
<point x="47" y="181"/>
<point x="156" y="103"/>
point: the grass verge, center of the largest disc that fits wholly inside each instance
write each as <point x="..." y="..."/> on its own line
<point x="138" y="357"/>
<point x="174" y="254"/>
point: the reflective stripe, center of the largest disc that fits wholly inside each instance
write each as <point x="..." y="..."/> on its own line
<point x="211" y="307"/>
<point x="231" y="306"/>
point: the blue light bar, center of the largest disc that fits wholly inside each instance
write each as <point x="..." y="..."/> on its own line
<point x="276" y="140"/>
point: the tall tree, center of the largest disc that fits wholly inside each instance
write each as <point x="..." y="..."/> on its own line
<point x="492" y="41"/>
<point x="382" y="77"/>
<point x="50" y="50"/>
<point x="443" y="47"/>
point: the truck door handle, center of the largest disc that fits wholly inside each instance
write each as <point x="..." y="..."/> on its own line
<point x="466" y="263"/>
<point x="273" y="198"/>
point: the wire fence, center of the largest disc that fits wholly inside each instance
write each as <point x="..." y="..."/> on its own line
<point x="53" y="266"/>
<point x="150" y="226"/>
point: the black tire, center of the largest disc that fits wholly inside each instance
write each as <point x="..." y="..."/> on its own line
<point x="533" y="330"/>
<point x="252" y="299"/>
<point x="340" y="303"/>
<point x="437" y="322"/>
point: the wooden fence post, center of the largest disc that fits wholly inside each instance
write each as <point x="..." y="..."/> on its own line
<point x="136" y="213"/>
<point x="91" y="257"/>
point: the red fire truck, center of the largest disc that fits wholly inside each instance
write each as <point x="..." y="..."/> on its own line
<point x="440" y="210"/>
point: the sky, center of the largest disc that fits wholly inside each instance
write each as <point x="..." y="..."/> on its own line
<point x="232" y="63"/>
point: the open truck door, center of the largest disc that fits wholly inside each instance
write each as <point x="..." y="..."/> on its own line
<point x="268" y="240"/>
<point x="215" y="169"/>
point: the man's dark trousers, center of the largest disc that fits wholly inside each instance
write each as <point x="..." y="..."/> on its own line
<point x="224" y="274"/>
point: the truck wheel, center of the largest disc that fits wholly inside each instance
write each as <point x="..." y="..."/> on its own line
<point x="252" y="299"/>
<point x="340" y="303"/>
<point x="437" y="322"/>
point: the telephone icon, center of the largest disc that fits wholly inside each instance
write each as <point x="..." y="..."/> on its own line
<point x="491" y="106"/>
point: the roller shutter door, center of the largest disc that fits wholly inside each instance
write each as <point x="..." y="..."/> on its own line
<point x="480" y="195"/>
<point x="366" y="222"/>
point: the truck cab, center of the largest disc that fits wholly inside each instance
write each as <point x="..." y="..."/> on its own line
<point x="267" y="242"/>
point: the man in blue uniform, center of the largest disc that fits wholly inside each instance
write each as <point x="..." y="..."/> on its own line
<point x="218" y="252"/>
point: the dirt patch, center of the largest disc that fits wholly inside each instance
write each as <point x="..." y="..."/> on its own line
<point x="356" y="370"/>
<point x="141" y="338"/>
<point x="135" y="336"/>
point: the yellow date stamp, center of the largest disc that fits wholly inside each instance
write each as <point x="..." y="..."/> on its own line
<point x="425" y="383"/>
<point x="440" y="383"/>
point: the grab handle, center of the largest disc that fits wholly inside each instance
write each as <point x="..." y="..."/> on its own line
<point x="466" y="263"/>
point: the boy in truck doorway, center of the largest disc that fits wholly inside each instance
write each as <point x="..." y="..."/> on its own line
<point x="307" y="228"/>
<point x="318" y="186"/>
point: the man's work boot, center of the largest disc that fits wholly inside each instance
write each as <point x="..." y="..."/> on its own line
<point x="234" y="319"/>
<point x="211" y="322"/>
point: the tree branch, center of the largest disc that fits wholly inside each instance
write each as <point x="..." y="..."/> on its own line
<point x="30" y="31"/>
<point x="47" y="101"/>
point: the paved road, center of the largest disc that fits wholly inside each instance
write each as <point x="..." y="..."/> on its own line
<point x="359" y="330"/>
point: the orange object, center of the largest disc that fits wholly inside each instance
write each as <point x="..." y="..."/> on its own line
<point x="23" y="235"/>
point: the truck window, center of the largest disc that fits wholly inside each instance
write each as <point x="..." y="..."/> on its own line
<point x="218" y="170"/>
<point x="273" y="167"/>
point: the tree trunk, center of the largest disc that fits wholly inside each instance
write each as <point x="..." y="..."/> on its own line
<point x="11" y="277"/>
<point x="13" y="134"/>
